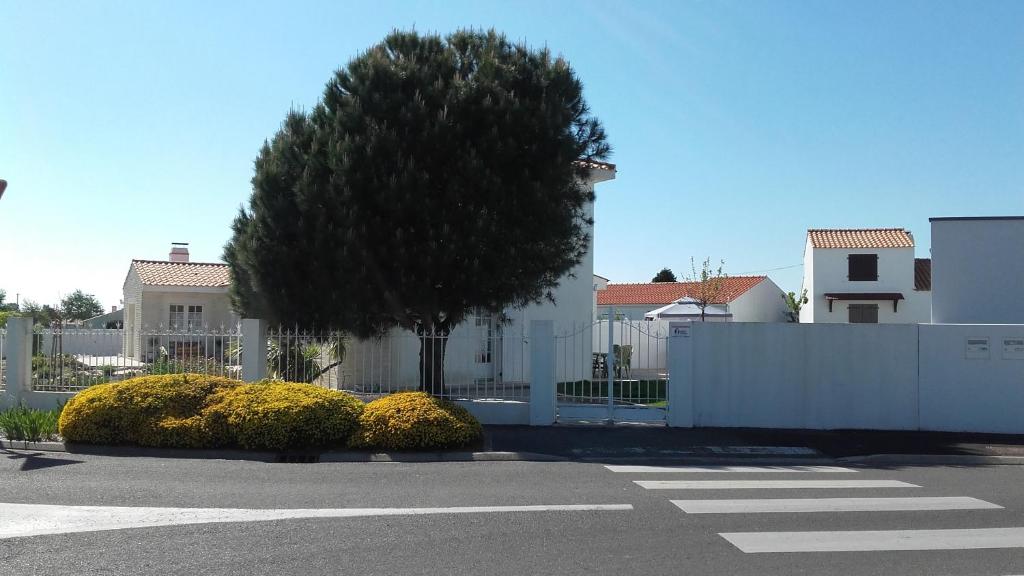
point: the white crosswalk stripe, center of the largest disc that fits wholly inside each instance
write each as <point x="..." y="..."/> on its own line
<point x="767" y="484"/>
<point x="752" y="505"/>
<point x="827" y="540"/>
<point x="726" y="469"/>
<point x="877" y="540"/>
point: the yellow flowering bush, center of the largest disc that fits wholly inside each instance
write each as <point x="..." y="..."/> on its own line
<point x="415" y="421"/>
<point x="146" y="411"/>
<point x="282" y="415"/>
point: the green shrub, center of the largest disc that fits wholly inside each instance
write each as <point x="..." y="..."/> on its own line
<point x="146" y="411"/>
<point x="415" y="421"/>
<point x="283" y="415"/>
<point x="29" y="424"/>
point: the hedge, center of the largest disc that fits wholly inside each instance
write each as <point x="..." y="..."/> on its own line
<point x="282" y="415"/>
<point x="415" y="421"/>
<point x="198" y="411"/>
<point x="144" y="411"/>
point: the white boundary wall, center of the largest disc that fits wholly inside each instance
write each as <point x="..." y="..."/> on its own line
<point x="885" y="377"/>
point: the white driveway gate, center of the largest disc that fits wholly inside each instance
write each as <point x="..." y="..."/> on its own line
<point x="612" y="371"/>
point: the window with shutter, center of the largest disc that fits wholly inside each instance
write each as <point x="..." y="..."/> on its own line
<point x="863" y="313"/>
<point x="863" y="267"/>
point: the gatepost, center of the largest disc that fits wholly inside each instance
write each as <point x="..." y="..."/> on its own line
<point x="680" y="374"/>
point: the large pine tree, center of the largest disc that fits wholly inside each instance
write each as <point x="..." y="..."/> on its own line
<point x="437" y="175"/>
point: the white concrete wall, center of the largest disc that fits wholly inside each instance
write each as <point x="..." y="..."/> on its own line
<point x="960" y="392"/>
<point x="864" y="376"/>
<point x="762" y="303"/>
<point x="93" y="342"/>
<point x="804" y="376"/>
<point x="807" y="311"/>
<point x="829" y="271"/>
<point x="636" y="312"/>
<point x="978" y="271"/>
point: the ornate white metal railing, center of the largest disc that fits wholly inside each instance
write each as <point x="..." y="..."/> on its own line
<point x="69" y="359"/>
<point x="480" y="359"/>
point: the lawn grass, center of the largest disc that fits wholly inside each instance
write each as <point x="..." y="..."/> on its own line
<point x="652" y="392"/>
<point x="29" y="424"/>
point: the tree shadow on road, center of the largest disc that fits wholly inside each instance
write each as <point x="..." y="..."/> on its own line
<point x="37" y="460"/>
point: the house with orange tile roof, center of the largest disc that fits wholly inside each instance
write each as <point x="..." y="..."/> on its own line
<point x="865" y="275"/>
<point x="742" y="299"/>
<point x="175" y="296"/>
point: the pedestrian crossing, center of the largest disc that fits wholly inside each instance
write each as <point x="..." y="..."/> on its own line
<point x="824" y="540"/>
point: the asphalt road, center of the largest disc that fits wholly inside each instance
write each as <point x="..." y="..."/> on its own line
<point x="653" y="537"/>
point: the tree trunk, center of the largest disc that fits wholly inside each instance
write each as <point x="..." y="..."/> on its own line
<point x="433" y="344"/>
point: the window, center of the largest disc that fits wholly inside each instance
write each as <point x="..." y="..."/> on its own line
<point x="177" y="318"/>
<point x="863" y="267"/>
<point x="195" y="317"/>
<point x="863" y="313"/>
<point x="179" y="321"/>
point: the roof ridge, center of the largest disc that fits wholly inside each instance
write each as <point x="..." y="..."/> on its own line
<point x="901" y="229"/>
<point x="170" y="262"/>
<point x="762" y="276"/>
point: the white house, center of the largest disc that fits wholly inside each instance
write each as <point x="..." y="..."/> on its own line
<point x="978" y="268"/>
<point x="745" y="298"/>
<point x="865" y="275"/>
<point x="175" y="296"/>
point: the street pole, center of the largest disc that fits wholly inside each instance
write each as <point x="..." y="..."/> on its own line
<point x="3" y="186"/>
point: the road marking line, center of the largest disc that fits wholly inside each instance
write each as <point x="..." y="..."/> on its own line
<point x="767" y="484"/>
<point x="731" y="469"/>
<point x="876" y="540"/>
<point x="749" y="506"/>
<point x="17" y="520"/>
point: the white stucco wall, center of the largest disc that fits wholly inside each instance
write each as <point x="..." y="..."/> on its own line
<point x="807" y="311"/>
<point x="977" y="270"/>
<point x="762" y="303"/>
<point x="786" y="375"/>
<point x="829" y="269"/>
<point x="635" y="312"/>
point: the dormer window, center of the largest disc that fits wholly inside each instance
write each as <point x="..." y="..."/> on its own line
<point x="863" y="267"/>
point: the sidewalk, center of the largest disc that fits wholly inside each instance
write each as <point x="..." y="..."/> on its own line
<point x="625" y="441"/>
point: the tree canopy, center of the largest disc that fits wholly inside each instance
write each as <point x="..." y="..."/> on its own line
<point x="80" y="306"/>
<point x="436" y="176"/>
<point x="665" y="275"/>
<point x="709" y="284"/>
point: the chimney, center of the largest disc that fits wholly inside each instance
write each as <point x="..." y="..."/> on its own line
<point x="179" y="252"/>
<point x="113" y="309"/>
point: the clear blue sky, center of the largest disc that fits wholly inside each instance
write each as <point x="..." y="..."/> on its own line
<point x="125" y="126"/>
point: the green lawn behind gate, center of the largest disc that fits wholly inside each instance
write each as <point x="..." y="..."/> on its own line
<point x="652" y="392"/>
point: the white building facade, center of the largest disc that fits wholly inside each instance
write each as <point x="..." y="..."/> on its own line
<point x="864" y="275"/>
<point x="978" y="270"/>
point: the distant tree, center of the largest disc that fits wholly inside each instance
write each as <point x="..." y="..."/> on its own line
<point x="794" y="304"/>
<point x="666" y="275"/>
<point x="437" y="176"/>
<point x="709" y="281"/>
<point x="80" y="306"/>
<point x="7" y="306"/>
<point x="4" y="315"/>
<point x="40" y="314"/>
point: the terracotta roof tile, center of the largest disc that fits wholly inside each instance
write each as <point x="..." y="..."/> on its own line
<point x="662" y="293"/>
<point x="861" y="238"/>
<point x="198" y="274"/>
<point x="922" y="273"/>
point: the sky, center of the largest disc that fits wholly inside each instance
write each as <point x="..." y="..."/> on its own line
<point x="736" y="125"/>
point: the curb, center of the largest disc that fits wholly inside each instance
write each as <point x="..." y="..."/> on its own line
<point x="933" y="460"/>
<point x="399" y="457"/>
<point x="279" y="457"/>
